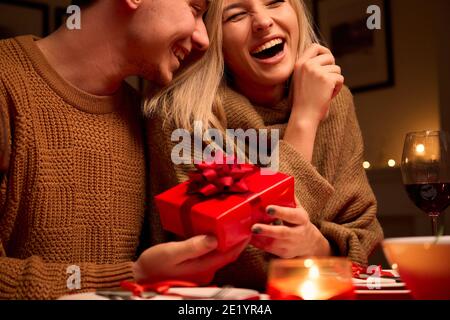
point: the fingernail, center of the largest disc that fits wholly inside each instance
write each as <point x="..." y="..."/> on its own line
<point x="210" y="242"/>
<point x="256" y="230"/>
<point x="270" y="211"/>
<point x="278" y="222"/>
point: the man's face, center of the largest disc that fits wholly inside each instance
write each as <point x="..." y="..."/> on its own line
<point x="163" y="34"/>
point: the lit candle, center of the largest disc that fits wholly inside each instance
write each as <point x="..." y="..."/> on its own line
<point x="311" y="279"/>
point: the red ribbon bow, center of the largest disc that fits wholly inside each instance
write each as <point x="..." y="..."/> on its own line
<point x="219" y="177"/>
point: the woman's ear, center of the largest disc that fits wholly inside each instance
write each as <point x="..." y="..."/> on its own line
<point x="133" y="4"/>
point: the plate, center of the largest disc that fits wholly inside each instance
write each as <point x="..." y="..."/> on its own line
<point x="383" y="292"/>
<point x="383" y="283"/>
<point x="215" y="293"/>
<point x="196" y="293"/>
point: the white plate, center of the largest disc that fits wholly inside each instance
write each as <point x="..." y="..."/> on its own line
<point x="383" y="291"/>
<point x="377" y="283"/>
<point x="381" y="285"/>
<point x="217" y="293"/>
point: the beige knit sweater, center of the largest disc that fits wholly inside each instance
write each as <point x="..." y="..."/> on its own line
<point x="75" y="190"/>
<point x="333" y="188"/>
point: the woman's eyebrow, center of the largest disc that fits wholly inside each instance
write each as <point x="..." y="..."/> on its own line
<point x="233" y="6"/>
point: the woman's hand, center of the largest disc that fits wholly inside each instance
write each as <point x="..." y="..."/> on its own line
<point x="192" y="260"/>
<point x="295" y="237"/>
<point x="315" y="82"/>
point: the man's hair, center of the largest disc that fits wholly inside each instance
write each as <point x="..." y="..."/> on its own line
<point x="83" y="3"/>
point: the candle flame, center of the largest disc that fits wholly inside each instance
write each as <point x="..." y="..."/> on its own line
<point x="308" y="290"/>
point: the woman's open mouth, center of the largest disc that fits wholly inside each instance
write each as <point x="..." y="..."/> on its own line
<point x="269" y="49"/>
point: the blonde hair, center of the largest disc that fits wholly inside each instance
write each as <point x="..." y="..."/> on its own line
<point x="194" y="93"/>
<point x="307" y="35"/>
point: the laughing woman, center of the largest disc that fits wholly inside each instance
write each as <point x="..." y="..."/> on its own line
<point x="277" y="76"/>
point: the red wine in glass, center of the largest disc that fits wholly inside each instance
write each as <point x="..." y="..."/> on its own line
<point x="426" y="172"/>
<point x="430" y="197"/>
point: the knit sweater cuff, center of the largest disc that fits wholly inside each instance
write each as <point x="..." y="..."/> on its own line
<point x="312" y="189"/>
<point x="343" y="242"/>
<point x="106" y="276"/>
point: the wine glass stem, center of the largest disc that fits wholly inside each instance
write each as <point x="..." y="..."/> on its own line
<point x="434" y="222"/>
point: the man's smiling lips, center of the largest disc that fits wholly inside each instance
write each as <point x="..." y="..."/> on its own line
<point x="180" y="52"/>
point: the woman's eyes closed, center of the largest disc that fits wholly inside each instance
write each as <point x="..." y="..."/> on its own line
<point x="239" y="15"/>
<point x="236" y="16"/>
<point x="275" y="3"/>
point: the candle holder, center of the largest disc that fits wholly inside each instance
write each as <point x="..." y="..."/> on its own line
<point x="327" y="278"/>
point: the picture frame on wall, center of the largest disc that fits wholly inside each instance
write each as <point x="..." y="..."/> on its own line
<point x="60" y="16"/>
<point x="34" y="18"/>
<point x="364" y="55"/>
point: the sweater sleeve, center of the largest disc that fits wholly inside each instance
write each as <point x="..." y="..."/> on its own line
<point x="33" y="278"/>
<point x="351" y="224"/>
<point x="5" y="132"/>
<point x="343" y="205"/>
<point x="311" y="189"/>
<point x="5" y="136"/>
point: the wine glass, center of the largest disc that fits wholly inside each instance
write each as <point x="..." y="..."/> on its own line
<point x="4" y="159"/>
<point x="426" y="172"/>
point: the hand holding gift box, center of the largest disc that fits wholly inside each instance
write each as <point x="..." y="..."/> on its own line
<point x="223" y="199"/>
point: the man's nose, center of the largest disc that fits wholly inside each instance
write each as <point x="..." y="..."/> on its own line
<point x="200" y="39"/>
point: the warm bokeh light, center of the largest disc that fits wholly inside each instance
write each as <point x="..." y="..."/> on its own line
<point x="366" y="164"/>
<point x="391" y="163"/>
<point x="420" y="148"/>
<point x="308" y="263"/>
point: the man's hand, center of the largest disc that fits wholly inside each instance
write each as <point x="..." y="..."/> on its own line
<point x="193" y="260"/>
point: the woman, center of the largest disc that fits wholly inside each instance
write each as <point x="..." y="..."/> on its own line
<point x="276" y="76"/>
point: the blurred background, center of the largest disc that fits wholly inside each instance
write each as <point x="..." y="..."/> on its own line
<point x="399" y="74"/>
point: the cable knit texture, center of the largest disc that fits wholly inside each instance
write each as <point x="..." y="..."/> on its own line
<point x="74" y="192"/>
<point x="333" y="188"/>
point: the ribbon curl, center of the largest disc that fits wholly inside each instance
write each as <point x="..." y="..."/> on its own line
<point x="219" y="177"/>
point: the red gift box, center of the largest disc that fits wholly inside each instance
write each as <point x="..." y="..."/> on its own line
<point x="214" y="208"/>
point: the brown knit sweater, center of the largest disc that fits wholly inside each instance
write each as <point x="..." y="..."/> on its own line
<point x="333" y="188"/>
<point x="74" y="193"/>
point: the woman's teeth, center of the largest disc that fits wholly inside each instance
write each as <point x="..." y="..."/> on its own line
<point x="267" y="45"/>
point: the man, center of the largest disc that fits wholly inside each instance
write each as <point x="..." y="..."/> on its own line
<point x="72" y="201"/>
